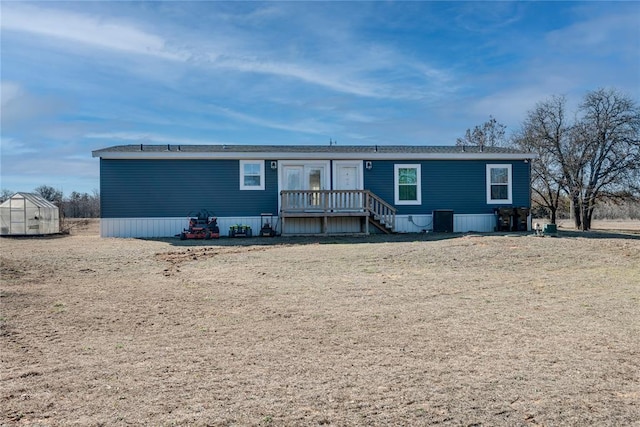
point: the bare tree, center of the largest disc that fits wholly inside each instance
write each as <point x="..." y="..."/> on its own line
<point x="545" y="132"/>
<point x="82" y="205"/>
<point x="50" y="194"/>
<point x="5" y="193"/>
<point x="606" y="159"/>
<point x="594" y="159"/>
<point x="489" y="134"/>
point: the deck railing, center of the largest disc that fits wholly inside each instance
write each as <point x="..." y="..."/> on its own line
<point x="337" y="203"/>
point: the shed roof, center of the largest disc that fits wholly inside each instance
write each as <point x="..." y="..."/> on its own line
<point x="220" y="151"/>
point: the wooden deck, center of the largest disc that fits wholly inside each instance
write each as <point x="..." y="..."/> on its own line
<point x="326" y="204"/>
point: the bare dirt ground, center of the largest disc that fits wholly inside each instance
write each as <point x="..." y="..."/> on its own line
<point x="501" y="329"/>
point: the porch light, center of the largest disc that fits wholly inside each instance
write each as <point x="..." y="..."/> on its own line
<point x="368" y="165"/>
<point x="274" y="164"/>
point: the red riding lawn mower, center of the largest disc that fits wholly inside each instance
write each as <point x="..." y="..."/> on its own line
<point x="201" y="226"/>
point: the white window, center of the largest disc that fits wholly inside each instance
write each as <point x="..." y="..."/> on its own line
<point x="499" y="183"/>
<point x="252" y="174"/>
<point x="407" y="186"/>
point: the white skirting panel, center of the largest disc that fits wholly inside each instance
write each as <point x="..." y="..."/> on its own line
<point x="418" y="223"/>
<point x="302" y="226"/>
<point x="346" y="225"/>
<point x="141" y="227"/>
<point x="169" y="227"/>
<point x="481" y="223"/>
<point x="462" y="223"/>
<point x="252" y="221"/>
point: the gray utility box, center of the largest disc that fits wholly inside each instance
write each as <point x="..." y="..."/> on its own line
<point x="443" y="221"/>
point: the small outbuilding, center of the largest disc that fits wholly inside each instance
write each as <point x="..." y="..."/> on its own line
<point x="28" y="214"/>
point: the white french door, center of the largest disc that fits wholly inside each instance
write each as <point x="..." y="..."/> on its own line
<point x="348" y="176"/>
<point x="304" y="176"/>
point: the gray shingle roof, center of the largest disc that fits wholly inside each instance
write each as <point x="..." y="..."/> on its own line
<point x="306" y="149"/>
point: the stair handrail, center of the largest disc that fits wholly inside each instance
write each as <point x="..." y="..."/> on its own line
<point x="380" y="209"/>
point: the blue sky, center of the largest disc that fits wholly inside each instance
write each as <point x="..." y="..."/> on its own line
<point x="79" y="76"/>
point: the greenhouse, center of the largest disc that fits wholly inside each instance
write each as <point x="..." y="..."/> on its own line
<point x="28" y="214"/>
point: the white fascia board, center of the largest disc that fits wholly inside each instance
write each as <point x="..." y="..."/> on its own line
<point x="173" y="155"/>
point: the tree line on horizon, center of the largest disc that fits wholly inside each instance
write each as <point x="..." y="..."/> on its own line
<point x="587" y="161"/>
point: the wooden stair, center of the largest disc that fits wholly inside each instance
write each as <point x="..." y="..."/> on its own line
<point x="377" y="223"/>
<point x="338" y="203"/>
<point x="381" y="214"/>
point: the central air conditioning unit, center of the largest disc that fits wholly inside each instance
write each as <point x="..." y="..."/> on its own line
<point x="443" y="221"/>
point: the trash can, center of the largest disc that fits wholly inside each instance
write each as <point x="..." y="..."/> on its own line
<point x="503" y="219"/>
<point x="522" y="222"/>
<point x="550" y="229"/>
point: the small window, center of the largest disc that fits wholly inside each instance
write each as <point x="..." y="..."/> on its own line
<point x="251" y="175"/>
<point x="499" y="184"/>
<point x="407" y="185"/>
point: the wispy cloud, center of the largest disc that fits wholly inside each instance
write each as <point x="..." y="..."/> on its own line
<point x="84" y="30"/>
<point x="23" y="108"/>
<point x="13" y="147"/>
<point x="353" y="73"/>
<point x="147" y="138"/>
<point x="309" y="126"/>
<point x="599" y="35"/>
<point x="476" y="17"/>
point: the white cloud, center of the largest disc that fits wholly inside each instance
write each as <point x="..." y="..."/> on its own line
<point x="351" y="72"/>
<point x="84" y="29"/>
<point x="308" y="126"/>
<point x="13" y="147"/>
<point x="600" y="35"/>
<point x="20" y="106"/>
<point x="147" y="138"/>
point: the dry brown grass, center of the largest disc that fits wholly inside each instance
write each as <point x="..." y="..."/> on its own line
<point x="409" y="330"/>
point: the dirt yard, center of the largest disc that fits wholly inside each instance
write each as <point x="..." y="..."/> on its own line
<point x="497" y="330"/>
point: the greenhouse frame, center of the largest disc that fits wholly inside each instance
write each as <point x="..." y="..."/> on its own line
<point x="28" y="214"/>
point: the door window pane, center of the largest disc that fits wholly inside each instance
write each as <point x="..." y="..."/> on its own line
<point x="315" y="179"/>
<point x="293" y="179"/>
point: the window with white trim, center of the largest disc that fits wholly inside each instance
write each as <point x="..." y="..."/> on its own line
<point x="407" y="184"/>
<point x="251" y="174"/>
<point x="499" y="183"/>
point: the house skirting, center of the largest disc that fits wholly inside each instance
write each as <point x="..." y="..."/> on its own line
<point x="170" y="227"/>
<point x="462" y="223"/>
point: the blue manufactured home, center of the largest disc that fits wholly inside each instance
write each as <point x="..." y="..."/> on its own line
<point x="149" y="190"/>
